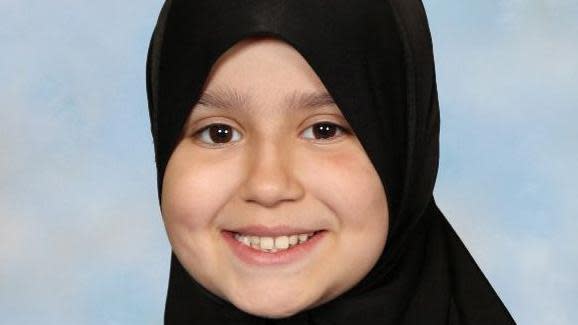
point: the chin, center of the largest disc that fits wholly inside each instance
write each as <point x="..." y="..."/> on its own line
<point x="270" y="311"/>
<point x="270" y="307"/>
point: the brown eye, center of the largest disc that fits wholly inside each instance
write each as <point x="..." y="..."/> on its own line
<point x="324" y="130"/>
<point x="215" y="134"/>
<point x="219" y="134"/>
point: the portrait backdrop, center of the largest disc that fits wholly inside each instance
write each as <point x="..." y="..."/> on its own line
<point x="81" y="237"/>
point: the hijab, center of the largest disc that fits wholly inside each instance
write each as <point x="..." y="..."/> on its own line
<point x="376" y="60"/>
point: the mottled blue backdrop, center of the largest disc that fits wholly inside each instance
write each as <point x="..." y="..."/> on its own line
<point x="81" y="237"/>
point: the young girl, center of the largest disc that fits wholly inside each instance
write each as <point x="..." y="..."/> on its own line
<point x="296" y="145"/>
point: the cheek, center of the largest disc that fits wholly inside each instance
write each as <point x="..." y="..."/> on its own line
<point x="349" y="184"/>
<point x="192" y="193"/>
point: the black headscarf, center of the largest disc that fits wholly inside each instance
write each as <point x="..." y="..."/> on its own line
<point x="375" y="58"/>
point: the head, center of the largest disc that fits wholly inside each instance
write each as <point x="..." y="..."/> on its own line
<point x="266" y="145"/>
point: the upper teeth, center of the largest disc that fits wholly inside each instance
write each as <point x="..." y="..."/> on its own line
<point x="272" y="244"/>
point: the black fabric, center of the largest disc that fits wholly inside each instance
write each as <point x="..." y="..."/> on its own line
<point x="375" y="58"/>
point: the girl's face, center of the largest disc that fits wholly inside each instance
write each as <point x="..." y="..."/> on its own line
<point x="266" y="153"/>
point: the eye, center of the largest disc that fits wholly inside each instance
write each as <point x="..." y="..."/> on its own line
<point x="216" y="134"/>
<point x="325" y="130"/>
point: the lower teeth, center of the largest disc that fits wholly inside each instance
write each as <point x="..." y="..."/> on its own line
<point x="274" y="250"/>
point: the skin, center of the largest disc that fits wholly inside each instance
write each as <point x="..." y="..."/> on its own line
<point x="273" y="170"/>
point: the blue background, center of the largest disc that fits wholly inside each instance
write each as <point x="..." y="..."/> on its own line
<point x="81" y="237"/>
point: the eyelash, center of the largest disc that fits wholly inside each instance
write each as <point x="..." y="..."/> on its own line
<point x="340" y="128"/>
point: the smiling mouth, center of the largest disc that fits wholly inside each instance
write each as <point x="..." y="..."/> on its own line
<point x="274" y="244"/>
<point x="263" y="251"/>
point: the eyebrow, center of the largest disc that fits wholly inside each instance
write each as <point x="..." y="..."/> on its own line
<point x="229" y="99"/>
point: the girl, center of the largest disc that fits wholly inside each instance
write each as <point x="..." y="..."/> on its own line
<point x="296" y="145"/>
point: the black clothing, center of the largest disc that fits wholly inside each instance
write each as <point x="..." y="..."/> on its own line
<point x="375" y="58"/>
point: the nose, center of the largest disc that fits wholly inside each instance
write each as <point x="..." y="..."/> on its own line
<point x="271" y="177"/>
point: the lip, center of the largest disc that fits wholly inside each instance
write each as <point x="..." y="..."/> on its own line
<point x="264" y="231"/>
<point x="255" y="257"/>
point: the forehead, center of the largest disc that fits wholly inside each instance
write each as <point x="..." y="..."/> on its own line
<point x="263" y="70"/>
<point x="229" y="99"/>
